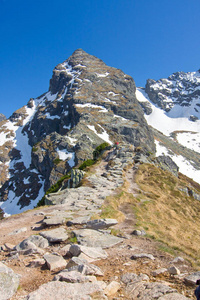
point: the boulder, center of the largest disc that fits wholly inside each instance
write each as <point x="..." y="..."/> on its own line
<point x="9" y="282"/>
<point x="192" y="278"/>
<point x="57" y="290"/>
<point x="55" y="261"/>
<point x="83" y="267"/>
<point x="54" y="220"/>
<point x="173" y="270"/>
<point x="55" y="235"/>
<point x="93" y="238"/>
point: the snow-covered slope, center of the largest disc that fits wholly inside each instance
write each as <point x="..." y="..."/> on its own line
<point x="174" y="123"/>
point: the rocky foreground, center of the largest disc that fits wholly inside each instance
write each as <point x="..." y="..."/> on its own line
<point x="66" y="251"/>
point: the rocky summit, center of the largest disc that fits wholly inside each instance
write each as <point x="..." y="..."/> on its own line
<point x="88" y="103"/>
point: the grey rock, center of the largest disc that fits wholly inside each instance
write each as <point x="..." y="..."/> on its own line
<point x="55" y="220"/>
<point x="32" y="245"/>
<point x="93" y="238"/>
<point x="166" y="163"/>
<point x="173" y="270"/>
<point x="138" y="232"/>
<point x="57" y="290"/>
<point x="39" y="241"/>
<point x="75" y="250"/>
<point x="101" y="223"/>
<point x="73" y="276"/>
<point x="83" y="267"/>
<point x="94" y="252"/>
<point x="192" y="278"/>
<point x="78" y="221"/>
<point x="55" y="235"/>
<point x="64" y="250"/>
<point x="112" y="288"/>
<point x="143" y="255"/>
<point x="9" y="282"/>
<point x="26" y="245"/>
<point x="144" y="290"/>
<point x="54" y="261"/>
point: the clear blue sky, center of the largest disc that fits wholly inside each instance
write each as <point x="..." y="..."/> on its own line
<point x="144" y="38"/>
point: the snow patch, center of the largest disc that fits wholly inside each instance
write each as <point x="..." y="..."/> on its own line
<point x="184" y="166"/>
<point x="104" y="136"/>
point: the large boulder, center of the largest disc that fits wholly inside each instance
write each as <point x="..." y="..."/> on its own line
<point x="9" y="282"/>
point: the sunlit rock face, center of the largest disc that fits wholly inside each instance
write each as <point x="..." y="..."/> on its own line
<point x="88" y="103"/>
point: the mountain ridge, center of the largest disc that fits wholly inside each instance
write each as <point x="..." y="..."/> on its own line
<point x="87" y="103"/>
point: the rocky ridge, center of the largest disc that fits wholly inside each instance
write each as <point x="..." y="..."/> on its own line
<point x="65" y="253"/>
<point x="87" y="103"/>
<point x="178" y="89"/>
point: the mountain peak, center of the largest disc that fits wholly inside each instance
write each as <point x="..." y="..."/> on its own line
<point x="88" y="103"/>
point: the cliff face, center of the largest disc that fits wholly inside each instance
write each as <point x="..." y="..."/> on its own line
<point x="87" y="103"/>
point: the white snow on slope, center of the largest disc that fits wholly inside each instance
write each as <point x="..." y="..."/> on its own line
<point x="90" y="105"/>
<point x="10" y="206"/>
<point x="104" y="136"/>
<point x="65" y="155"/>
<point x="167" y="122"/>
<point x="190" y="140"/>
<point x="184" y="166"/>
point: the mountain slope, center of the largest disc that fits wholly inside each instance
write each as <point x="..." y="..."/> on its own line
<point x="172" y="107"/>
<point x="87" y="103"/>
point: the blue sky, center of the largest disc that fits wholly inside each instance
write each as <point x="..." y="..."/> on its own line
<point x="144" y="38"/>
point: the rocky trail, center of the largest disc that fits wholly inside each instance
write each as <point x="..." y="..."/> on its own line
<point x="62" y="251"/>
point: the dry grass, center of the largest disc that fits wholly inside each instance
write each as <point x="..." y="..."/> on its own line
<point x="167" y="213"/>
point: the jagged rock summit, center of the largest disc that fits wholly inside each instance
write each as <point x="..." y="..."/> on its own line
<point x="87" y="103"/>
<point x="2" y="117"/>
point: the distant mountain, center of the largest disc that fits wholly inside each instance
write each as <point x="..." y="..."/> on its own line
<point x="2" y="117"/>
<point x="87" y="104"/>
<point x="172" y="107"/>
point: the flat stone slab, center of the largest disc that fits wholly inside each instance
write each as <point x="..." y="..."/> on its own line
<point x="9" y="282"/>
<point x="55" y="220"/>
<point x="91" y="252"/>
<point x="54" y="261"/>
<point x="57" y="290"/>
<point x="94" y="238"/>
<point x="73" y="276"/>
<point x="79" y="221"/>
<point x="101" y="223"/>
<point x="94" y="252"/>
<point x="55" y="235"/>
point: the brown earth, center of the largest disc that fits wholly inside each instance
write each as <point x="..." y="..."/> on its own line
<point x="118" y="263"/>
